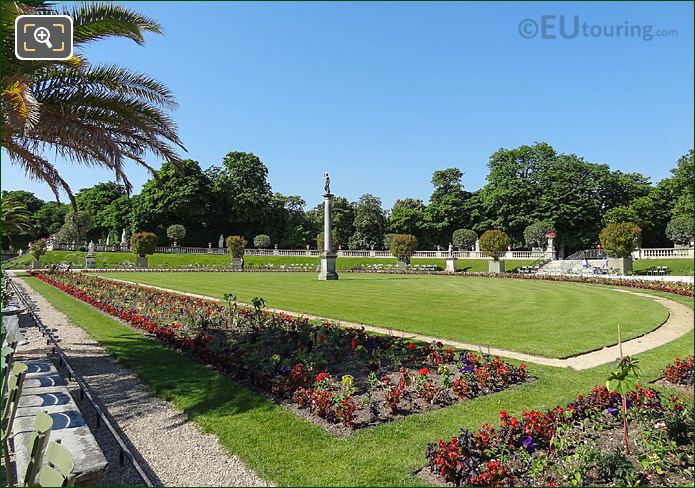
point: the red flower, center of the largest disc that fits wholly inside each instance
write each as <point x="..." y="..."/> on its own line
<point x="423" y="372"/>
<point x="354" y="344"/>
<point x="322" y="376"/>
<point x="411" y="345"/>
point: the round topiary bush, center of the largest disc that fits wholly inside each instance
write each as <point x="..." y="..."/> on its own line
<point x="620" y="239"/>
<point x="262" y="241"/>
<point x="143" y="243"/>
<point x="236" y="245"/>
<point x="464" y="239"/>
<point x="680" y="230"/>
<point x="403" y="246"/>
<point x="176" y="232"/>
<point x="494" y="243"/>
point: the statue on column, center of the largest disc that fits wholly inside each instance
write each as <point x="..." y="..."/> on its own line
<point x="327" y="184"/>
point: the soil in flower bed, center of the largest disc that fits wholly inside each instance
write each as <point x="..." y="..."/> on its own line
<point x="342" y="379"/>
<point x="581" y="444"/>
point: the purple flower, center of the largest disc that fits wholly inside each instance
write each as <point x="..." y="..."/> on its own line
<point x="629" y="404"/>
<point x="612" y="411"/>
<point x="529" y="445"/>
<point x="466" y="369"/>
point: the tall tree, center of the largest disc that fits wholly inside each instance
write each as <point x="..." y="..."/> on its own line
<point x="178" y="195"/>
<point x="95" y="201"/>
<point x="98" y="115"/>
<point x="241" y="193"/>
<point x="370" y="223"/>
<point x="445" y="211"/>
<point x="408" y="217"/>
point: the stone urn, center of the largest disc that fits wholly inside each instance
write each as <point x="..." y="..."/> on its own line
<point x="237" y="263"/>
<point x="495" y="266"/>
<point x="141" y="262"/>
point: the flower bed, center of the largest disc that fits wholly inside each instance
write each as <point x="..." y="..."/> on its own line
<point x="580" y="444"/>
<point x="342" y="378"/>
<point x="680" y="372"/>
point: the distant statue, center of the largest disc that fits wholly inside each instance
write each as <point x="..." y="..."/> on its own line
<point x="90" y="248"/>
<point x="220" y="243"/>
<point x="124" y="240"/>
<point x="108" y="239"/>
<point x="327" y="184"/>
<point x="451" y="249"/>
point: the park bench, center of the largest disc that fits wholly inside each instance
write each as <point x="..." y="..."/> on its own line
<point x="45" y="391"/>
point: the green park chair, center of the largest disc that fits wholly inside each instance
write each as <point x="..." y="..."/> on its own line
<point x="15" y="382"/>
<point x="50" y="477"/>
<point x="38" y="441"/>
<point x="59" y="459"/>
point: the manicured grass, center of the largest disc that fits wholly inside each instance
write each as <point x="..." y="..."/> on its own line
<point x="291" y="451"/>
<point x="677" y="267"/>
<point x="536" y="317"/>
<point x="116" y="259"/>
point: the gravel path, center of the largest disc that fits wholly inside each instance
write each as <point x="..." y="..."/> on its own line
<point x="678" y="323"/>
<point x="172" y="449"/>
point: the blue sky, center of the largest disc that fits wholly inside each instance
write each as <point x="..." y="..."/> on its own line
<point x="383" y="94"/>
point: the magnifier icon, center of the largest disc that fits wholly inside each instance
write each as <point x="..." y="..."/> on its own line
<point x="43" y="36"/>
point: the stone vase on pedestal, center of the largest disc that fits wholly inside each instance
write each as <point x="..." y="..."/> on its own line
<point x="141" y="262"/>
<point x="623" y="265"/>
<point x="450" y="266"/>
<point x="90" y="262"/>
<point x="402" y="264"/>
<point x="495" y="266"/>
<point x="35" y="264"/>
<point x="237" y="263"/>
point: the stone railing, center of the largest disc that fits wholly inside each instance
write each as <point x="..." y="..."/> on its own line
<point x="666" y="252"/>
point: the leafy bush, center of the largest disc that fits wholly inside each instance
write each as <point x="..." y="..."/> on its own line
<point x="261" y="241"/>
<point x="143" y="243"/>
<point x="176" y="232"/>
<point x="236" y="246"/>
<point x="403" y="246"/>
<point x="620" y="239"/>
<point x="494" y="243"/>
<point x="464" y="238"/>
<point x="534" y="234"/>
<point x="680" y="230"/>
<point x="76" y="227"/>
<point x="38" y="249"/>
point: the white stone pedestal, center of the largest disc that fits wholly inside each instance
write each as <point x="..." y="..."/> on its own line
<point x="237" y="263"/>
<point x="90" y="262"/>
<point x="623" y="265"/>
<point x="327" y="268"/>
<point x="450" y="265"/>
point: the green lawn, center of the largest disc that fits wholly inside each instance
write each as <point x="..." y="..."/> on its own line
<point x="678" y="267"/>
<point x="537" y="317"/>
<point x="288" y="450"/>
<point x="116" y="259"/>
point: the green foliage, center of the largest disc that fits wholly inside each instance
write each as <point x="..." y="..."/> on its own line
<point x="680" y="230"/>
<point x="143" y="243"/>
<point x="76" y="227"/>
<point x="403" y="246"/>
<point x="387" y="240"/>
<point x="534" y="234"/>
<point x="342" y="216"/>
<point x="446" y="210"/>
<point x="464" y="239"/>
<point x="37" y="249"/>
<point x="16" y="219"/>
<point x="620" y="239"/>
<point x="370" y="223"/>
<point x="176" y="232"/>
<point x="262" y="241"/>
<point x="407" y="217"/>
<point x="624" y="377"/>
<point x="96" y="202"/>
<point x="236" y="245"/>
<point x="495" y="243"/>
